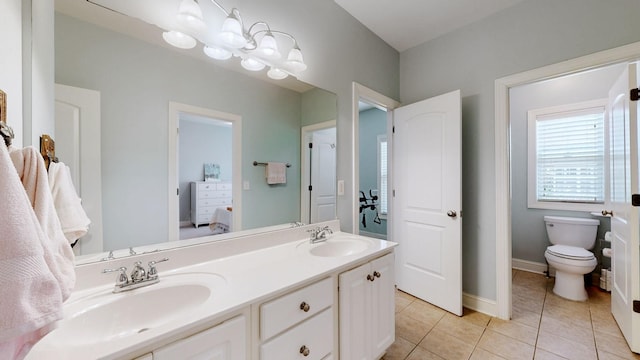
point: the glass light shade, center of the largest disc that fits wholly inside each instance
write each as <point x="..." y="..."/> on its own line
<point x="231" y="33"/>
<point x="252" y="64"/>
<point x="190" y="16"/>
<point x="179" y="39"/>
<point x="269" y="47"/>
<point x="295" y="61"/>
<point x="276" y="74"/>
<point x="217" y="53"/>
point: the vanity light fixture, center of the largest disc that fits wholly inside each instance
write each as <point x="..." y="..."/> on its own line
<point x="256" y="46"/>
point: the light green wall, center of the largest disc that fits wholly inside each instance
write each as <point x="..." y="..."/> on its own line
<point x="529" y="35"/>
<point x="318" y="106"/>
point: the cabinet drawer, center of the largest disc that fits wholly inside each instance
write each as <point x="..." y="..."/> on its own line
<point x="214" y="194"/>
<point x="288" y="310"/>
<point x="215" y="202"/>
<point x="315" y="334"/>
<point x="213" y="186"/>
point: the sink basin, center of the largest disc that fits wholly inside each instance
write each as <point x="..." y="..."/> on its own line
<point x="337" y="247"/>
<point x="105" y="317"/>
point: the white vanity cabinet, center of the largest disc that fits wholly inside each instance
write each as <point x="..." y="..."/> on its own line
<point x="299" y="325"/>
<point x="206" y="197"/>
<point x="367" y="309"/>
<point x="227" y="341"/>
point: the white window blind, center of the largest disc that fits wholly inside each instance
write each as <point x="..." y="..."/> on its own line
<point x="570" y="156"/>
<point x="382" y="173"/>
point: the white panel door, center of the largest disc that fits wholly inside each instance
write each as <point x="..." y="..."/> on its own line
<point x="427" y="204"/>
<point x="323" y="177"/>
<point x="77" y="139"/>
<point x="624" y="222"/>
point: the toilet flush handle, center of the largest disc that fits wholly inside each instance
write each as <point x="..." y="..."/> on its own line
<point x="607" y="213"/>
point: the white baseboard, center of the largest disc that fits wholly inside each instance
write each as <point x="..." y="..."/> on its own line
<point x="479" y="304"/>
<point x="530" y="266"/>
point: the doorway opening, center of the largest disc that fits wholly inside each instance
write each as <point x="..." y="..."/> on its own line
<point x="204" y="172"/>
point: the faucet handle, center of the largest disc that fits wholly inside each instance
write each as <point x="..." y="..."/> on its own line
<point x="153" y="272"/>
<point x="138" y="273"/>
<point x="122" y="277"/>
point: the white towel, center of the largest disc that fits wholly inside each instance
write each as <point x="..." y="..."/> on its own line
<point x="30" y="296"/>
<point x="221" y="221"/>
<point x="276" y="173"/>
<point x="33" y="174"/>
<point x="73" y="218"/>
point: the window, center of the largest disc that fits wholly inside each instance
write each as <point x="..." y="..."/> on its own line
<point x="382" y="174"/>
<point x="567" y="152"/>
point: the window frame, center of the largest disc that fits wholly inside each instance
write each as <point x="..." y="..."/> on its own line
<point x="532" y="116"/>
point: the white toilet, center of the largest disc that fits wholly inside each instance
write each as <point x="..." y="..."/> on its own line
<point x="569" y="254"/>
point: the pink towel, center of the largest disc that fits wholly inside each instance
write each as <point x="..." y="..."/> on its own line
<point x="30" y="299"/>
<point x="73" y="218"/>
<point x="33" y="174"/>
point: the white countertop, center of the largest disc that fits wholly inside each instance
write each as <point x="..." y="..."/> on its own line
<point x="240" y="280"/>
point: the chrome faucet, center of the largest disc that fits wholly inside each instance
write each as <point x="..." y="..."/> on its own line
<point x="319" y="234"/>
<point x="139" y="276"/>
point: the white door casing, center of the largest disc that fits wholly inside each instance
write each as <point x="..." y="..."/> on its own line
<point x="428" y="201"/>
<point x="623" y="128"/>
<point x="77" y="139"/>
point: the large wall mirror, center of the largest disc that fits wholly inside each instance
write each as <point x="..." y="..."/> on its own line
<point x="136" y="81"/>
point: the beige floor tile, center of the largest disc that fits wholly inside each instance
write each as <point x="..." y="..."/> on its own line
<point x="614" y="345"/>
<point x="422" y="354"/>
<point x="460" y="328"/>
<point x="513" y="329"/>
<point x="566" y="348"/>
<point x="524" y="302"/>
<point x="405" y="295"/>
<point x="425" y="312"/>
<point x="529" y="278"/>
<point x="482" y="354"/>
<point x="605" y="323"/>
<point x="568" y="330"/>
<point x="410" y="328"/>
<point x="526" y="317"/>
<point x="446" y="346"/>
<point x="553" y="300"/>
<point x="505" y="346"/>
<point x="399" y="350"/>
<point x="577" y="316"/>
<point x="475" y="317"/>
<point x="545" y="355"/>
<point x="597" y="296"/>
<point x="603" y="355"/>
<point x="402" y="303"/>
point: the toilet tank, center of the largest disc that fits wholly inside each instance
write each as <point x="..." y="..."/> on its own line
<point x="580" y="232"/>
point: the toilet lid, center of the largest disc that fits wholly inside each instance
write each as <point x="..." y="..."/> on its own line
<point x="570" y="252"/>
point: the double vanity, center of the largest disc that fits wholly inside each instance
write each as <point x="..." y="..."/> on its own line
<point x="266" y="296"/>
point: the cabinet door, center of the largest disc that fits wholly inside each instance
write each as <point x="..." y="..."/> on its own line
<point x="383" y="305"/>
<point x="226" y="341"/>
<point x="355" y="313"/>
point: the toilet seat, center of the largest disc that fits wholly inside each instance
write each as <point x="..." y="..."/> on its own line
<point x="570" y="252"/>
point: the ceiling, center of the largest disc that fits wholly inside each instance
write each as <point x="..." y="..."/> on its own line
<point x="404" y="24"/>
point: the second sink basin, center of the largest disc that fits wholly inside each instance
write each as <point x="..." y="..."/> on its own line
<point x="106" y="317"/>
<point x="339" y="246"/>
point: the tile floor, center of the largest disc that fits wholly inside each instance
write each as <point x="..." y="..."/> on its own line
<point x="544" y="326"/>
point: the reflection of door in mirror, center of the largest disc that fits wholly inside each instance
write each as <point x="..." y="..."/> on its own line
<point x="205" y="175"/>
<point x="77" y="116"/>
<point x="318" y="195"/>
<point x="372" y="151"/>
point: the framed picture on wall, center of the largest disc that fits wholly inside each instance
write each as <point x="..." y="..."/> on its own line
<point x="211" y="172"/>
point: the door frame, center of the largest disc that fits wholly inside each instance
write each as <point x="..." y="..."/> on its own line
<point x="305" y="131"/>
<point x="175" y="108"/>
<point x="626" y="53"/>
<point x="363" y="93"/>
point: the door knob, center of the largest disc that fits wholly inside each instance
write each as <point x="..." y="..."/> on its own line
<point x="452" y="213"/>
<point x="607" y="212"/>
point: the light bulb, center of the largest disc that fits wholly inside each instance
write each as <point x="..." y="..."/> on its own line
<point x="252" y="64"/>
<point x="295" y="61"/>
<point x="276" y="74"/>
<point x="217" y="52"/>
<point x="179" y="39"/>
<point x="231" y="33"/>
<point x="190" y="16"/>
<point x="268" y="46"/>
